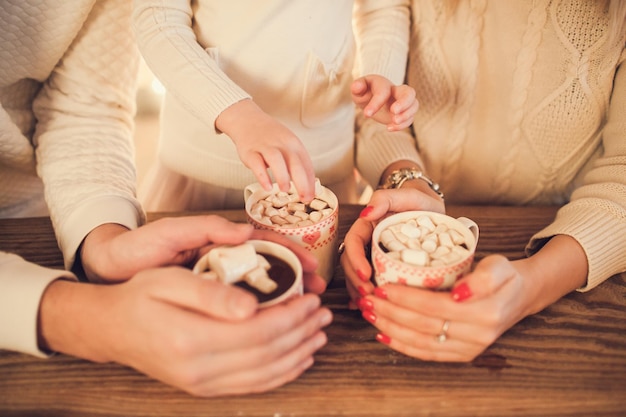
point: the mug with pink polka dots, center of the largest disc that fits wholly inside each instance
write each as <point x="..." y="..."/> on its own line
<point x="313" y="225"/>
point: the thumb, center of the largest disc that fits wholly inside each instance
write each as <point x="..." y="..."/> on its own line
<point x="487" y="278"/>
<point x="181" y="287"/>
<point x="361" y="94"/>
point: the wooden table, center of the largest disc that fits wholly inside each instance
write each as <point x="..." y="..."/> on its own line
<point x="568" y="360"/>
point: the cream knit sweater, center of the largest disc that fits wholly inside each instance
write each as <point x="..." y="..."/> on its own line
<point x="294" y="58"/>
<point x="522" y="103"/>
<point x="67" y="77"/>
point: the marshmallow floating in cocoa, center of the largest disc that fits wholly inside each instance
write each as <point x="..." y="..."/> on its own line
<point x="230" y="264"/>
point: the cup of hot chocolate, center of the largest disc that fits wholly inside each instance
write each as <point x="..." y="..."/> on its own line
<point x="423" y="249"/>
<point x="313" y="225"/>
<point x="271" y="272"/>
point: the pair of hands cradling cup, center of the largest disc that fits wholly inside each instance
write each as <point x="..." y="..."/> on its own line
<point x="199" y="335"/>
<point x="456" y="324"/>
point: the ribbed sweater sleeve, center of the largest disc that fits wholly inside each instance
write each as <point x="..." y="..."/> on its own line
<point x="381" y="29"/>
<point x="377" y="148"/>
<point x="382" y="35"/>
<point x="596" y="214"/>
<point x="188" y="72"/>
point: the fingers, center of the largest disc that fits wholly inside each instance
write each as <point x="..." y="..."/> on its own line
<point x="257" y="165"/>
<point x="354" y="260"/>
<point x="488" y="277"/>
<point x="272" y="364"/>
<point x="191" y="232"/>
<point x="275" y="160"/>
<point x="360" y="92"/>
<point x="411" y="326"/>
<point x="398" y="200"/>
<point x="302" y="174"/>
<point x="392" y="105"/>
<point x="403" y="107"/>
<point x="266" y="326"/>
<point x="183" y="288"/>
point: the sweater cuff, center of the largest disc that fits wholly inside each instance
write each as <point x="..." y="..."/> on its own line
<point x="92" y="214"/>
<point x="377" y="148"/>
<point x="22" y="285"/>
<point x="601" y="233"/>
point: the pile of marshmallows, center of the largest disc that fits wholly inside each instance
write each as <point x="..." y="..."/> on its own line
<point x="230" y="264"/>
<point x="285" y="210"/>
<point x="421" y="242"/>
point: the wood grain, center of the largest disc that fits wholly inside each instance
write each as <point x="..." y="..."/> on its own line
<point x="568" y="360"/>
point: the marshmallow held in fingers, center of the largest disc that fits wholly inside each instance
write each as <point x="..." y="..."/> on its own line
<point x="231" y="264"/>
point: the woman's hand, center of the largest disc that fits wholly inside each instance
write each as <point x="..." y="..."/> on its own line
<point x="410" y="320"/>
<point x="354" y="260"/>
<point x="459" y="325"/>
<point x="198" y="335"/>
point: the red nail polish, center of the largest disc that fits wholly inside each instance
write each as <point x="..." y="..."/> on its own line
<point x="380" y="293"/>
<point x="369" y="316"/>
<point x="461" y="292"/>
<point x="362" y="275"/>
<point x="365" y="304"/>
<point x="362" y="291"/>
<point x="383" y="338"/>
<point x="367" y="210"/>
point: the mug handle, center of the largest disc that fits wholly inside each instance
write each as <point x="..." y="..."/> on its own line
<point x="471" y="225"/>
<point x="251" y="189"/>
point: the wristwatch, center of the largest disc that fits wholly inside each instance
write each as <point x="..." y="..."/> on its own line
<point x="400" y="176"/>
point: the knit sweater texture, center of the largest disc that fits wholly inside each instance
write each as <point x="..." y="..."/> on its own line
<point x="67" y="82"/>
<point x="295" y="59"/>
<point x="522" y="103"/>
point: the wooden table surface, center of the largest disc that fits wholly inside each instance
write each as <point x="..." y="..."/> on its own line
<point x="568" y="360"/>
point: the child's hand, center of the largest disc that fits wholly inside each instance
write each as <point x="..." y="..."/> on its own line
<point x="392" y="105"/>
<point x="262" y="142"/>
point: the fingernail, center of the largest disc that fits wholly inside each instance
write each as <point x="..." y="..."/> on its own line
<point x="383" y="338"/>
<point x="362" y="275"/>
<point x="367" y="210"/>
<point x="461" y="292"/>
<point x="326" y="319"/>
<point x="365" y="304"/>
<point x="380" y="293"/>
<point x="362" y="291"/>
<point x="369" y="316"/>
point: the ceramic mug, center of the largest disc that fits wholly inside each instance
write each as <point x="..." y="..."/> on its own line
<point x="390" y="269"/>
<point x="287" y="288"/>
<point x="320" y="238"/>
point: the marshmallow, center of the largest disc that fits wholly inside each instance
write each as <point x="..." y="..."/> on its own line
<point x="423" y="242"/>
<point x="287" y="211"/>
<point x="230" y="264"/>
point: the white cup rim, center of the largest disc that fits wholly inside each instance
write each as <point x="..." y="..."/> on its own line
<point x="407" y="215"/>
<point x="282" y="252"/>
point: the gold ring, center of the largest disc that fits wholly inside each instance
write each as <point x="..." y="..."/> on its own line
<point x="443" y="334"/>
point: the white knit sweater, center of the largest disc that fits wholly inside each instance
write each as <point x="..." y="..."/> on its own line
<point x="522" y="103"/>
<point x="294" y="58"/>
<point x="67" y="78"/>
